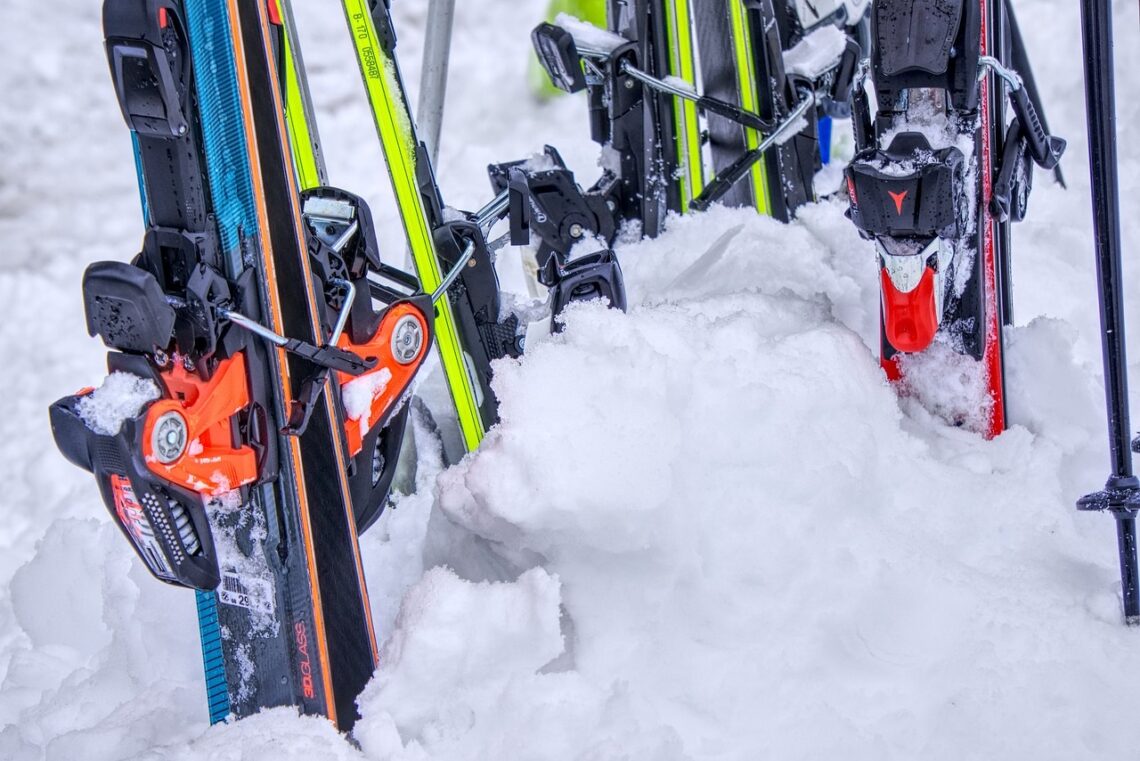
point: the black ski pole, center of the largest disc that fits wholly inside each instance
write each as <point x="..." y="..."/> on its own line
<point x="1121" y="495"/>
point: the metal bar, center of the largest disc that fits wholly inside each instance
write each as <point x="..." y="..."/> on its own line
<point x="589" y="51"/>
<point x="453" y="275"/>
<point x="239" y="319"/>
<point x="730" y="175"/>
<point x="1010" y="76"/>
<point x="727" y="110"/>
<point x="342" y="318"/>
<point x="1122" y="493"/>
<point x="433" y="77"/>
<point x="345" y="237"/>
<point x="493" y="211"/>
<point x="660" y="84"/>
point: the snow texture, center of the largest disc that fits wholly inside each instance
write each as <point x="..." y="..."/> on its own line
<point x="707" y="529"/>
<point x="816" y="53"/>
<point x="358" y="393"/>
<point x="681" y="84"/>
<point x="122" y="396"/>
<point x="586" y="34"/>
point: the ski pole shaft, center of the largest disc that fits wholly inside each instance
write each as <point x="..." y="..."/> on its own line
<point x="1121" y="493"/>
<point x="1101" y="106"/>
<point x="433" y="78"/>
<point x="1129" y="576"/>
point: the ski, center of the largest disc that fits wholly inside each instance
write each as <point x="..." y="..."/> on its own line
<point x="770" y="79"/>
<point x="469" y="333"/>
<point x="386" y="283"/>
<point x="259" y="350"/>
<point x="790" y="63"/>
<point x="454" y="258"/>
<point x="939" y="174"/>
<point x="686" y="126"/>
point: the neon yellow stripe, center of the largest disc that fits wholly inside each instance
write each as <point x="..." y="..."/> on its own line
<point x="688" y="127"/>
<point x="394" y="125"/>
<point x="746" y="82"/>
<point x="300" y="136"/>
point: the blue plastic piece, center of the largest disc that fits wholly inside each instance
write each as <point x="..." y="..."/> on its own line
<point x="217" y="692"/>
<point x="825" y="139"/>
<point x="228" y="168"/>
<point x="139" y="174"/>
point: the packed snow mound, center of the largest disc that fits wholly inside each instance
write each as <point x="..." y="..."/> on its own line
<point x="754" y="541"/>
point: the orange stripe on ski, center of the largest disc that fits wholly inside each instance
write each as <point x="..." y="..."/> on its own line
<point x="282" y="362"/>
<point x="314" y="312"/>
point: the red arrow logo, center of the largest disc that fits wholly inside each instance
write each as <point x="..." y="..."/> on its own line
<point x="898" y="198"/>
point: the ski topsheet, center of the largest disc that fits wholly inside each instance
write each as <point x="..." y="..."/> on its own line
<point x="408" y="167"/>
<point x="308" y="161"/>
<point x="471" y="332"/>
<point x="342" y="636"/>
<point x="786" y="63"/>
<point x="680" y="51"/>
<point x="241" y="437"/>
<point x="728" y="73"/>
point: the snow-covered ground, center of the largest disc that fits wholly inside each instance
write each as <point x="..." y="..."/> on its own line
<point x="703" y="530"/>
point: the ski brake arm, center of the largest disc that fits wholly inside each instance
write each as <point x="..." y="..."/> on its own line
<point x="723" y="182"/>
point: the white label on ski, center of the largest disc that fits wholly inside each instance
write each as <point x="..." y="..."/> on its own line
<point x="252" y="593"/>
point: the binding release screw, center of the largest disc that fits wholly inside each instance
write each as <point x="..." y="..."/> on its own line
<point x="169" y="438"/>
<point x="407" y="339"/>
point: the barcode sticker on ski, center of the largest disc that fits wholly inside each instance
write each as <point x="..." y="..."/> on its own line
<point x="252" y="593"/>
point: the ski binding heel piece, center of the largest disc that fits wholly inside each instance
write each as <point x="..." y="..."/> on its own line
<point x="594" y="276"/>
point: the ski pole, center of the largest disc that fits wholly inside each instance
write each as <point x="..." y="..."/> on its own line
<point x="433" y="78"/>
<point x="1121" y="495"/>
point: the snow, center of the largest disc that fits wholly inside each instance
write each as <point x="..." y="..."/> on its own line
<point x="949" y="384"/>
<point x="816" y="53"/>
<point x="539" y="162"/>
<point x="681" y="84"/>
<point x="122" y="396"/>
<point x="359" y="392"/>
<point x="586" y="34"/>
<point x="707" y="529"/>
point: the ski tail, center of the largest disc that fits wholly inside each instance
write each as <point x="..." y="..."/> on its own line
<point x="939" y="211"/>
<point x="252" y="376"/>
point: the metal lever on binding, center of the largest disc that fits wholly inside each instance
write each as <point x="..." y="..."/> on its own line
<point x="1045" y="149"/>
